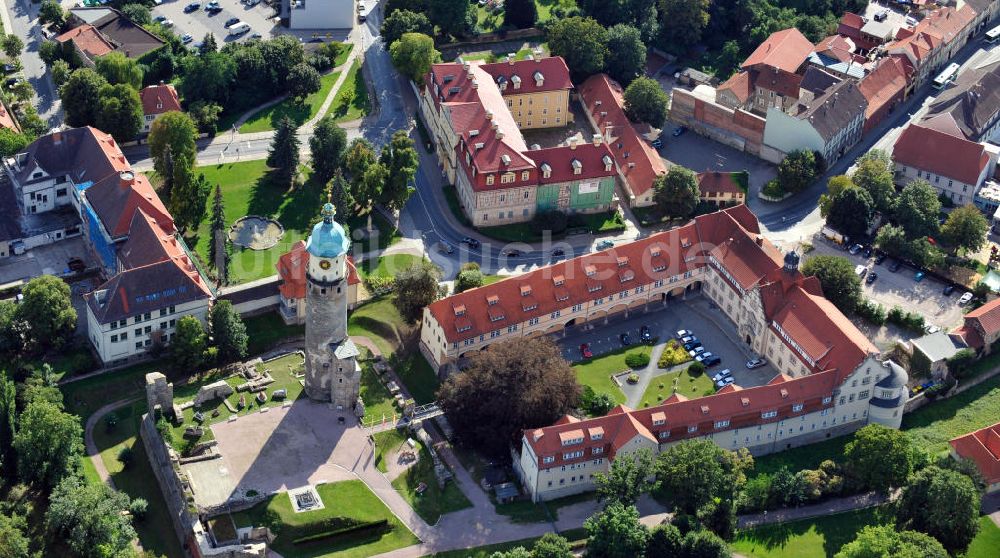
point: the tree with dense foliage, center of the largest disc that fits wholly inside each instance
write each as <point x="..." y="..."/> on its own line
<point x="885" y="541"/>
<point x="468" y="279"/>
<point x="942" y="503"/>
<point x="874" y="175"/>
<point x="327" y="146"/>
<point x="12" y="45"/>
<point x="283" y="155"/>
<point x="401" y="160"/>
<point x="515" y="385"/>
<point x="117" y="68"/>
<point x="208" y="44"/>
<point x="48" y="444"/>
<point x="187" y="348"/>
<point x="453" y="18"/>
<point x="697" y="472"/>
<point x="704" y="544"/>
<point x="400" y="22"/>
<point x="188" y="195"/>
<point x="583" y="44"/>
<point x="218" y="254"/>
<point x="171" y="137"/>
<point x="229" y="333"/>
<point x="841" y="285"/>
<point x="627" y="478"/>
<point x="138" y="13"/>
<point x="851" y="212"/>
<point x="683" y="23"/>
<point x="676" y="193"/>
<point x="51" y="13"/>
<point x="60" y="72"/>
<point x="47" y="310"/>
<point x="646" y="101"/>
<point x="879" y="458"/>
<point x="12" y="142"/>
<point x="416" y="287"/>
<point x="119" y="112"/>
<point x="360" y="155"/>
<point x="640" y="14"/>
<point x="959" y="362"/>
<point x="206" y="116"/>
<point x="616" y="533"/>
<point x="665" y="540"/>
<point x="340" y="194"/>
<point x="8" y="426"/>
<point x="88" y="518"/>
<point x="303" y="80"/>
<point x="516" y="552"/>
<point x="520" y="14"/>
<point x="552" y="545"/>
<point x="81" y="97"/>
<point x="797" y="170"/>
<point x="210" y="77"/>
<point x="626" y="59"/>
<point x="13" y="329"/>
<point x="413" y="55"/>
<point x="917" y="209"/>
<point x="834" y="186"/>
<point x="13" y="541"/>
<point x="965" y="229"/>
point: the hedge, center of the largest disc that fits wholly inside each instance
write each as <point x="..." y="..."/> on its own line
<point x="366" y="527"/>
<point x="636" y="360"/>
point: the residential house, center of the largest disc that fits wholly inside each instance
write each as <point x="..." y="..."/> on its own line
<point x="929" y="45"/>
<point x="720" y="188"/>
<point x="883" y="89"/>
<point x="935" y="151"/>
<point x="536" y="90"/>
<point x="982" y="447"/>
<point x="770" y="76"/>
<point x="986" y="12"/>
<point x="981" y="328"/>
<point x="829" y="373"/>
<point x="930" y="354"/>
<point x="95" y="32"/>
<point x="157" y="100"/>
<point x="292" y="266"/>
<point x="973" y="102"/>
<point x="836" y="54"/>
<point x="639" y="165"/>
<point x="865" y="37"/>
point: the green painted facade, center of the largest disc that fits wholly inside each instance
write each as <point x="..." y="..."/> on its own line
<point x="566" y="196"/>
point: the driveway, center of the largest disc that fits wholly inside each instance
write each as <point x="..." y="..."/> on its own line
<point x="199" y="22"/>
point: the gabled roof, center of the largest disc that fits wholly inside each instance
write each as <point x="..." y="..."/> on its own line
<point x="125" y="35"/>
<point x="740" y="85"/>
<point x="835" y="109"/>
<point x="560" y="160"/>
<point x="148" y="242"/>
<point x="159" y="99"/>
<point x="983" y="448"/>
<point x="947" y="155"/>
<point x="143" y="289"/>
<point x="86" y="154"/>
<point x="935" y="346"/>
<point x="987" y="316"/>
<point x="552" y="69"/>
<point x="88" y="39"/>
<point x="786" y="50"/>
<point x="973" y="101"/>
<point x="716" y="182"/>
<point x="779" y="81"/>
<point x="292" y="266"/>
<point x="638" y="162"/>
<point x="883" y="84"/>
<point x="116" y="198"/>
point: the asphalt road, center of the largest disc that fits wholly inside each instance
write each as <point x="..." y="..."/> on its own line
<point x="22" y="21"/>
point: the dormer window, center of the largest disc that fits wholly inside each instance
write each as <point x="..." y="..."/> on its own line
<point x="659" y="419"/>
<point x="622" y="261"/>
<point x="705" y="410"/>
<point x="768" y="414"/>
<point x="546" y="170"/>
<point x="539" y="79"/>
<point x="784" y="393"/>
<point x="590" y="270"/>
<point x="505" y="159"/>
<point x="797" y="407"/>
<point x="685" y="242"/>
<point x="516" y="80"/>
<point x="655" y="251"/>
<point x="558" y="280"/>
<point x="492" y="300"/>
<point x="608" y="161"/>
<point x="490" y="179"/>
<point x="745" y="401"/>
<point x="525" y="290"/>
<point x="626" y="275"/>
<point x="577" y="166"/>
<point x="459" y="310"/>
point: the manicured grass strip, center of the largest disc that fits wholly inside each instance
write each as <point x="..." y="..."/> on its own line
<point x="987" y="541"/>
<point x="434" y="502"/>
<point x="352" y="100"/>
<point x="267" y="330"/>
<point x="388" y="266"/>
<point x="575" y="536"/>
<point x="343" y="54"/>
<point x="378" y="400"/>
<point x="689" y="386"/>
<point x="268" y="118"/>
<point x="83" y="397"/>
<point x="597" y="371"/>
<point x="819" y="537"/>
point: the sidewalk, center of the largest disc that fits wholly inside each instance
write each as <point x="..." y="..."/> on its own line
<point x="829" y="507"/>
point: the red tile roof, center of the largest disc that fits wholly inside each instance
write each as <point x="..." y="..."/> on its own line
<point x="116" y="198"/>
<point x="931" y="150"/>
<point x="779" y="81"/>
<point x="883" y="85"/>
<point x="88" y="39"/>
<point x="292" y="268"/>
<point x="983" y="448"/>
<point x="552" y="70"/>
<point x="149" y="242"/>
<point x="786" y="50"/>
<point x="715" y="182"/>
<point x="740" y="84"/>
<point x="988" y="317"/>
<point x="836" y="46"/>
<point x="595" y="162"/>
<point x="158" y="99"/>
<point x="639" y="163"/>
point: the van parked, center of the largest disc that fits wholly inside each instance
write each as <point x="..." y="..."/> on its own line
<point x="239" y="29"/>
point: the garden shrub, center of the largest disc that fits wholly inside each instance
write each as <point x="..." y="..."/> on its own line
<point x="637" y="360"/>
<point x="673" y="354"/>
<point x="696" y="369"/>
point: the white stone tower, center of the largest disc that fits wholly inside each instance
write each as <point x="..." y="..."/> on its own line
<point x="332" y="371"/>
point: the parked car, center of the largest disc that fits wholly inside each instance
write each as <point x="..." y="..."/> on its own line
<point x="724" y="382"/>
<point x="879" y="257"/>
<point x="9" y="68"/>
<point x="687" y="338"/>
<point x="679" y="130"/>
<point x="279" y="395"/>
<point x="626" y="339"/>
<point x="692" y="344"/>
<point x="682" y="333"/>
<point x="558" y="252"/>
<point x="868" y="252"/>
<point x="657" y="143"/>
<point x="512" y="253"/>
<point x="881" y="15"/>
<point x="696" y="351"/>
<point x="860" y="270"/>
<point x="966" y="298"/>
<point x="700" y="357"/>
<point x="948" y="290"/>
<point x="471" y="242"/>
<point x="919" y="276"/>
<point x="186" y="38"/>
<point x="168" y="23"/>
<point x="755" y="363"/>
<point x="645" y="335"/>
<point x="855" y="248"/>
<point x="585" y="351"/>
<point x="232" y="21"/>
<point x="710" y="361"/>
<point x="929" y="329"/>
<point x="212" y="5"/>
<point x="605" y="244"/>
<point x="193" y="6"/>
<point x="214" y="10"/>
<point x="894" y="266"/>
<point x="871" y="278"/>
<point x="724" y="374"/>
<point x="159" y="18"/>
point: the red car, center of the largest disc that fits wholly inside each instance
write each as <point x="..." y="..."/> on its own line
<point x="585" y="351"/>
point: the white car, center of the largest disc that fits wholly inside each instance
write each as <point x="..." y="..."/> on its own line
<point x="755" y="363"/>
<point x="724" y="374"/>
<point x="701" y="357"/>
<point x="966" y="298"/>
<point x="168" y="23"/>
<point x="681" y="333"/>
<point x="696" y="351"/>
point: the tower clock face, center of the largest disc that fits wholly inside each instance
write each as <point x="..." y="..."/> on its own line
<point x="324" y="264"/>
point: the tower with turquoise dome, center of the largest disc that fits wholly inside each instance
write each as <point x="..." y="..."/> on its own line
<point x="332" y="371"/>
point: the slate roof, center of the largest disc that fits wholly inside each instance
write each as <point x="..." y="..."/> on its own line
<point x="836" y="109"/>
<point x="128" y="37"/>
<point x="973" y="101"/>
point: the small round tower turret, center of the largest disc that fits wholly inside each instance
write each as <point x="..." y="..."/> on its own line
<point x="889" y="397"/>
<point x="791" y="262"/>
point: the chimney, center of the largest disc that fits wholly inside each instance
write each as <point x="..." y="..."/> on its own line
<point x="162" y="82"/>
<point x="510" y="58"/>
<point x="759" y="240"/>
<point x="499" y="134"/>
<point x="475" y="84"/>
<point x="572" y="143"/>
<point x="489" y="115"/>
<point x="126" y="178"/>
<point x="596" y="138"/>
<point x="465" y="65"/>
<point x="56" y="137"/>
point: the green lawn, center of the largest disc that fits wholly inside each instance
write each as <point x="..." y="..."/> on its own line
<point x="597" y="371"/>
<point x="267" y="330"/>
<point x="576" y="537"/>
<point x="155" y="531"/>
<point x="378" y="400"/>
<point x="268" y="118"/>
<point x="248" y="189"/>
<point x="352" y="100"/>
<point x="819" y="537"/>
<point x="343" y="54"/>
<point x="522" y="232"/>
<point x="662" y="386"/>
<point x="434" y="502"/>
<point x="83" y="397"/>
<point x="345" y="502"/>
<point x="386" y="443"/>
<point x="388" y="266"/>
<point x="987" y="541"/>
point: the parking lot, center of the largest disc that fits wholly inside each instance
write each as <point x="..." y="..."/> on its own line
<point x="709" y="325"/>
<point x="199" y="22"/>
<point x="899" y="288"/>
<point x="700" y="154"/>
